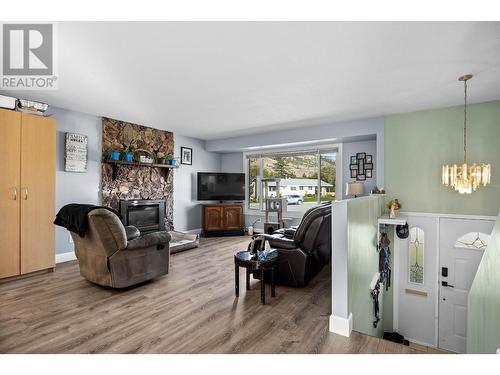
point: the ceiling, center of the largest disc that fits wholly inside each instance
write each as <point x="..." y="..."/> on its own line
<point x="213" y="79"/>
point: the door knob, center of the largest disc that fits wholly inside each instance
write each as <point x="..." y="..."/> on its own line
<point x="445" y="283"/>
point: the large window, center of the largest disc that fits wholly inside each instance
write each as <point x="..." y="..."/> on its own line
<point x="305" y="178"/>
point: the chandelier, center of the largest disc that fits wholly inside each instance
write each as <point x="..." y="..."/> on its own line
<point x="466" y="178"/>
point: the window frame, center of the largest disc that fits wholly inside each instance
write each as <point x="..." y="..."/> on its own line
<point x="417" y="228"/>
<point x="315" y="149"/>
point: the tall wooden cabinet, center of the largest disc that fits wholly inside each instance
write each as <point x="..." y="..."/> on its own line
<point x="27" y="193"/>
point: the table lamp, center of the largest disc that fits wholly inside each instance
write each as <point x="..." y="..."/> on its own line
<point x="355" y="188"/>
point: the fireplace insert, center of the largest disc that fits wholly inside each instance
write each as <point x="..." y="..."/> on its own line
<point x="148" y="215"/>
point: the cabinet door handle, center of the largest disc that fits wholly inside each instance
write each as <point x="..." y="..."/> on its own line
<point x="25" y="193"/>
<point x="15" y="194"/>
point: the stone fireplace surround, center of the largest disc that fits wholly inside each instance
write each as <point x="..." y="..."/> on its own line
<point x="135" y="182"/>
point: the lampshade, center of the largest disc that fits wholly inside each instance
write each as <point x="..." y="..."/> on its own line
<point x="355" y="188"/>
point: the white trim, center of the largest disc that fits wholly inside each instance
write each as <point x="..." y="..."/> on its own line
<point x="192" y="231"/>
<point x="420" y="342"/>
<point x="65" y="257"/>
<point x="341" y="326"/>
<point x="450" y="216"/>
<point x="438" y="277"/>
<point x="395" y="282"/>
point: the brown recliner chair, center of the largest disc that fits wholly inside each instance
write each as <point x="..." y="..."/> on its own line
<point x="113" y="255"/>
<point x="304" y="251"/>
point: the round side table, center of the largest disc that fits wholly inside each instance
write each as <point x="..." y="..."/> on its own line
<point x="252" y="263"/>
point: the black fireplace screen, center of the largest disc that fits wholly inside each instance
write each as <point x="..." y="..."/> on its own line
<point x="146" y="215"/>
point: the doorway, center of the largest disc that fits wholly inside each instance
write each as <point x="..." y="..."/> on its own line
<point x="416" y="263"/>
<point x="462" y="243"/>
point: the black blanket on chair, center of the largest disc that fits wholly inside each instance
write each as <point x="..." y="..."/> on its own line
<point x="74" y="218"/>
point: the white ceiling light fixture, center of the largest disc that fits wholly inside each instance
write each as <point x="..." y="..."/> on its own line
<point x="466" y="178"/>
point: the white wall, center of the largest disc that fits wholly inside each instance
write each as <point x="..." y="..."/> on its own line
<point x="187" y="210"/>
<point x="350" y="149"/>
<point x="76" y="187"/>
<point x="232" y="163"/>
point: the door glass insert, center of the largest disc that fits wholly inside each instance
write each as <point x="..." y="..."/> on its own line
<point x="416" y="256"/>
<point x="473" y="240"/>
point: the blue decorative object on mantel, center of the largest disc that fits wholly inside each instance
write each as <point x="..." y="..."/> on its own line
<point x="129" y="157"/>
<point x="115" y="155"/>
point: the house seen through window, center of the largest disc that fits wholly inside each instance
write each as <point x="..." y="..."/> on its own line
<point x="306" y="178"/>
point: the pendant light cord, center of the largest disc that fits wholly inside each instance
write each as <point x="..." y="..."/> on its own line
<point x="465" y="121"/>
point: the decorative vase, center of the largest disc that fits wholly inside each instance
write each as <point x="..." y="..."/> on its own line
<point x="172" y="162"/>
<point x="114" y="155"/>
<point x="129" y="157"/>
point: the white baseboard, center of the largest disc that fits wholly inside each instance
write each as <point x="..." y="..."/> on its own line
<point x="341" y="326"/>
<point x="192" y="231"/>
<point x="65" y="257"/>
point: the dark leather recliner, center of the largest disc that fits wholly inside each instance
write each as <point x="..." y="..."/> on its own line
<point x="304" y="251"/>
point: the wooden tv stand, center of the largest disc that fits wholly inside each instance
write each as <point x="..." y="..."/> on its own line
<point x="222" y="219"/>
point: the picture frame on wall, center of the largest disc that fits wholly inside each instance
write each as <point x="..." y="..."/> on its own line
<point x="76" y="152"/>
<point x="353" y="166"/>
<point x="368" y="159"/>
<point x="368" y="173"/>
<point x="354" y="173"/>
<point x="361" y="177"/>
<point x="186" y="155"/>
<point x="361" y="155"/>
<point x="353" y="159"/>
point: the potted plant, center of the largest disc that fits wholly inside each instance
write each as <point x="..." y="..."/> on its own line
<point x="394" y="207"/>
<point x="113" y="155"/>
<point x="160" y="156"/>
<point x="171" y="160"/>
<point x="128" y="152"/>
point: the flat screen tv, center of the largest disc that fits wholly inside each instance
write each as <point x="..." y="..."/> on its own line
<point x="221" y="186"/>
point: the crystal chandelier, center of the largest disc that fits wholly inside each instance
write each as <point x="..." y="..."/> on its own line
<point x="466" y="178"/>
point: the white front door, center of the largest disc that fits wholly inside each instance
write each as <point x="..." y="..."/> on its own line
<point x="462" y="243"/>
<point x="416" y="262"/>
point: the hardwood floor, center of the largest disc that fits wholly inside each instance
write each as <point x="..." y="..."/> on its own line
<point x="190" y="310"/>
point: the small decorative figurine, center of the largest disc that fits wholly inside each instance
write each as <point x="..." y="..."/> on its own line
<point x="394" y="207"/>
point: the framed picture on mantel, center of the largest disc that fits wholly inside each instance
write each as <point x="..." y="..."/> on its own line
<point x="186" y="155"/>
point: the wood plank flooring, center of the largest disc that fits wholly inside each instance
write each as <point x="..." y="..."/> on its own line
<point x="190" y="310"/>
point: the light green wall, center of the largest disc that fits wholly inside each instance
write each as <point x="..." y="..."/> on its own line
<point x="483" y="323"/>
<point x="362" y="215"/>
<point x="418" y="143"/>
